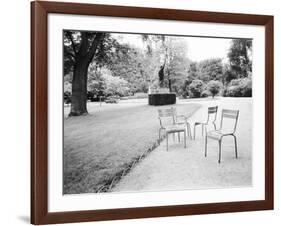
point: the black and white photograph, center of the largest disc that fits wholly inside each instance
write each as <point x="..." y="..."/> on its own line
<point x="154" y="112"/>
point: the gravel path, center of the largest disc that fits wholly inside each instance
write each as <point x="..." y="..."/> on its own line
<point x="181" y="168"/>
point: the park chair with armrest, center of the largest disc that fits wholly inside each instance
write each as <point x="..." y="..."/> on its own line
<point x="221" y="132"/>
<point x="212" y="112"/>
<point x="168" y="116"/>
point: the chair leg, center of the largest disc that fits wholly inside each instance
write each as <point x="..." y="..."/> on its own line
<point x="189" y="131"/>
<point x="174" y="137"/>
<point x="184" y="139"/>
<point x="179" y="139"/>
<point x="235" y="141"/>
<point x="194" y="132"/>
<point x="160" y="134"/>
<point x="219" y="151"/>
<point x="202" y="130"/>
<point x="167" y="138"/>
<point x="206" y="140"/>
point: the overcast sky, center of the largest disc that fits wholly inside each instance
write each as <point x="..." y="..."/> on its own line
<point x="198" y="48"/>
<point x="204" y="48"/>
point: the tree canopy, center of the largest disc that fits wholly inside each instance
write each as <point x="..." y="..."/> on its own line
<point x="103" y="64"/>
<point x="240" y="57"/>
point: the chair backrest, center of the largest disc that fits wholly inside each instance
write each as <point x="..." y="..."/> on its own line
<point x="212" y="111"/>
<point x="230" y="114"/>
<point x="167" y="114"/>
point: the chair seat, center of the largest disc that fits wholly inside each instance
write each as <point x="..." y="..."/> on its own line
<point x="181" y="119"/>
<point x="175" y="128"/>
<point x="180" y="122"/>
<point x="217" y="134"/>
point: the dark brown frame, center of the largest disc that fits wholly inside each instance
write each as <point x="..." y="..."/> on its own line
<point x="39" y="107"/>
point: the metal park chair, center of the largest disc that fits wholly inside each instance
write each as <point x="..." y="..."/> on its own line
<point x="168" y="124"/>
<point x="182" y="119"/>
<point x="212" y="112"/>
<point x="222" y="132"/>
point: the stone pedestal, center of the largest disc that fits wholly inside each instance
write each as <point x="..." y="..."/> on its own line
<point x="157" y="99"/>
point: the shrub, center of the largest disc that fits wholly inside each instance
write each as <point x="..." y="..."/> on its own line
<point x="239" y="88"/>
<point x="247" y="88"/>
<point x="196" y="88"/>
<point x="214" y="87"/>
<point x="205" y="93"/>
<point x="115" y="86"/>
<point x="234" y="91"/>
<point x="224" y="92"/>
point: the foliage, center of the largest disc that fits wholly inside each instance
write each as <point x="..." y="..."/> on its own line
<point x="169" y="53"/>
<point x="115" y="86"/>
<point x="129" y="63"/>
<point x="67" y="86"/>
<point x="205" y="71"/>
<point x="210" y="69"/>
<point x="196" y="87"/>
<point x="228" y="74"/>
<point x="96" y="81"/>
<point x="72" y="45"/>
<point x="135" y="69"/>
<point x="67" y="97"/>
<point x="239" y="88"/>
<point x="192" y="73"/>
<point x="205" y="93"/>
<point x="177" y="62"/>
<point x="240" y="54"/>
<point x="214" y="87"/>
<point x="80" y="48"/>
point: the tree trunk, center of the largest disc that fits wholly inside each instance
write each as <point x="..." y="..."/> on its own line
<point x="80" y="73"/>
<point x="79" y="90"/>
<point x="170" y="85"/>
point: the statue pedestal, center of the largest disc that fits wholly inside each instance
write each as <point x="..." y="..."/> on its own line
<point x="157" y="99"/>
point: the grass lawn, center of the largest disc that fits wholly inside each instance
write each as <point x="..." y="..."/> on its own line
<point x="101" y="144"/>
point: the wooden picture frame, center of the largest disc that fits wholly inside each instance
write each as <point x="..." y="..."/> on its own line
<point x="39" y="112"/>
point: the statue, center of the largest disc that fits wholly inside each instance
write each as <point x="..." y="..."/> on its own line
<point x="161" y="76"/>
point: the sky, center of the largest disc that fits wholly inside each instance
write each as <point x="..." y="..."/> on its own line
<point x="204" y="48"/>
<point x="198" y="48"/>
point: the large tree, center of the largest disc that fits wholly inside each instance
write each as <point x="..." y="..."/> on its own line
<point x="79" y="51"/>
<point x="210" y="69"/>
<point x="177" y="63"/>
<point x="156" y="55"/>
<point x="129" y="63"/>
<point x="240" y="57"/>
